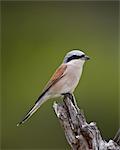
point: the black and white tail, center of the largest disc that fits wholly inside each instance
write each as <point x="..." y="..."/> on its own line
<point x="38" y="103"/>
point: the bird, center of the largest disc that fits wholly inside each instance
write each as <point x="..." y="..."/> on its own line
<point x="64" y="80"/>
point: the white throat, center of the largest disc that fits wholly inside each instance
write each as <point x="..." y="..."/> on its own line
<point x="74" y="71"/>
<point x="77" y="63"/>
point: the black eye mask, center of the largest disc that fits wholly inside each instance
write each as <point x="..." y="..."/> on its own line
<point x="75" y="57"/>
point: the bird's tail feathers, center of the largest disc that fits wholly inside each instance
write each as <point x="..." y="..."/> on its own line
<point x="32" y="111"/>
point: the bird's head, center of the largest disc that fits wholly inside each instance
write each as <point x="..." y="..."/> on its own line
<point x="76" y="55"/>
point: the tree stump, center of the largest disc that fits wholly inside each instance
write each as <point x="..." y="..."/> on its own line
<point x="79" y="134"/>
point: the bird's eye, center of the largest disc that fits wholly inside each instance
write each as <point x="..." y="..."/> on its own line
<point x="74" y="57"/>
<point x="82" y="56"/>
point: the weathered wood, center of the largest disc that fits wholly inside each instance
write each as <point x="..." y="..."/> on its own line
<point x="79" y="134"/>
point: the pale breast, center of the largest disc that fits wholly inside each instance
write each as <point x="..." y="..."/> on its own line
<point x="74" y="74"/>
<point x="70" y="80"/>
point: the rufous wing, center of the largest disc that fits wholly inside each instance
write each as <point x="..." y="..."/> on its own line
<point x="59" y="73"/>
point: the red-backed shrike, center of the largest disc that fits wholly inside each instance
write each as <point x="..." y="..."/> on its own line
<point x="64" y="80"/>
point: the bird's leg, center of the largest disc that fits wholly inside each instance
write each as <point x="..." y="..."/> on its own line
<point x="74" y="101"/>
<point x="117" y="137"/>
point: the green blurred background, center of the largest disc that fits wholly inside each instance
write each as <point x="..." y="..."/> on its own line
<point x="35" y="38"/>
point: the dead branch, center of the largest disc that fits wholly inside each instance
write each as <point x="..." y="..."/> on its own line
<point x="79" y="134"/>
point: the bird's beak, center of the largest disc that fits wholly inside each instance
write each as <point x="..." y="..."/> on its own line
<point x="86" y="57"/>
